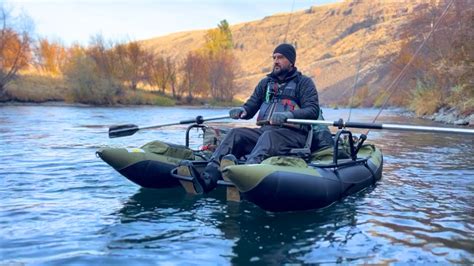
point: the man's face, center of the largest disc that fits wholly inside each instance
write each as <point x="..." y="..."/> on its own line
<point x="281" y="65"/>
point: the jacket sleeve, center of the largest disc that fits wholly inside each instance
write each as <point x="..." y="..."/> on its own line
<point x="308" y="98"/>
<point x="252" y="105"/>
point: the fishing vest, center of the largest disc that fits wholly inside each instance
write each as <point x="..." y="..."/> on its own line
<point x="277" y="99"/>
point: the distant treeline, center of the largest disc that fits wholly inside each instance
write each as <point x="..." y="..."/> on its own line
<point x="108" y="72"/>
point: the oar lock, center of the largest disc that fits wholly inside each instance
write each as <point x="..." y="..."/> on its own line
<point x="199" y="119"/>
<point x="340" y="123"/>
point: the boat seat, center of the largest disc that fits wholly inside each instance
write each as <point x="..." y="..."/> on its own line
<point x="305" y="152"/>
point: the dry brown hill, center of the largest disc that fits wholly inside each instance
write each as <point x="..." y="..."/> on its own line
<point x="329" y="40"/>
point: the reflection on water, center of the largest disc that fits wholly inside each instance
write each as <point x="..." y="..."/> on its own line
<point x="239" y="231"/>
<point x="59" y="204"/>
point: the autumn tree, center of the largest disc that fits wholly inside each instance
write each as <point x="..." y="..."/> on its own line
<point x="132" y="58"/>
<point x="15" y="41"/>
<point x="51" y="56"/>
<point x="87" y="82"/>
<point x="100" y="52"/>
<point x="221" y="62"/>
<point x="194" y="80"/>
<point x="161" y="73"/>
<point x="221" y="75"/>
<point x="219" y="39"/>
<point x="171" y="71"/>
<point x="122" y="62"/>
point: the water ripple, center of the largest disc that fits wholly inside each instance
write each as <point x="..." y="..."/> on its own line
<point x="59" y="204"/>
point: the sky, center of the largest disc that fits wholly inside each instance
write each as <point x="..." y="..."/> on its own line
<point x="71" y="21"/>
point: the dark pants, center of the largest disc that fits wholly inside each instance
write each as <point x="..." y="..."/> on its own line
<point x="259" y="143"/>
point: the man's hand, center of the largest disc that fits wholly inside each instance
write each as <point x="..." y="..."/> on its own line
<point x="279" y="118"/>
<point x="237" y="113"/>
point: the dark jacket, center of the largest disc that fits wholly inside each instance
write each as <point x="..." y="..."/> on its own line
<point x="306" y="96"/>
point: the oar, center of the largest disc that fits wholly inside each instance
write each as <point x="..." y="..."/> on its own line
<point x="341" y="124"/>
<point x="130" y="129"/>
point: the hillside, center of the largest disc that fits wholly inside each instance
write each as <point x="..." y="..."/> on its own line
<point x="329" y="40"/>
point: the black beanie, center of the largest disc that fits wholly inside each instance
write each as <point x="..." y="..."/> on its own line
<point x="288" y="51"/>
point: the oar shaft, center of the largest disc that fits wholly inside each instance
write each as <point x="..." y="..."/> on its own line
<point x="198" y="119"/>
<point x="428" y="129"/>
<point x="310" y="122"/>
<point x="130" y="129"/>
<point x="342" y="124"/>
<point x="216" y="118"/>
<point x="160" y="125"/>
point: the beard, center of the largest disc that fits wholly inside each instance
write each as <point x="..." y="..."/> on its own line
<point x="280" y="71"/>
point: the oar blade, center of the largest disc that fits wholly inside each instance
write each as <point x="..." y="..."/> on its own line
<point x="122" y="130"/>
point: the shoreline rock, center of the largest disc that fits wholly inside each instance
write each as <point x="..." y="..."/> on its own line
<point x="451" y="116"/>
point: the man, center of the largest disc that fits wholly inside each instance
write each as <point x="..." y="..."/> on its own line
<point x="284" y="93"/>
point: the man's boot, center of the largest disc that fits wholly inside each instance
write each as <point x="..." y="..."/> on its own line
<point x="209" y="177"/>
<point x="227" y="160"/>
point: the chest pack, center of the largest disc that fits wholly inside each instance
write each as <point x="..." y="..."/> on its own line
<point x="278" y="98"/>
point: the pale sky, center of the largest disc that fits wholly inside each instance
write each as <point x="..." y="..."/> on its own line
<point x="77" y="20"/>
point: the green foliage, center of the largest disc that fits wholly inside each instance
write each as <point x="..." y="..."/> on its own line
<point x="219" y="39"/>
<point x="427" y="99"/>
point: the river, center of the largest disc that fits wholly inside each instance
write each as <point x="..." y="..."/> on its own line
<point x="61" y="205"/>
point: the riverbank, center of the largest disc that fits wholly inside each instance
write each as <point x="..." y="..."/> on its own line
<point x="449" y="116"/>
<point x="67" y="104"/>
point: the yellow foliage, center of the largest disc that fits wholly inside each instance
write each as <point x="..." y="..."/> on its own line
<point x="52" y="56"/>
<point x="426" y="99"/>
<point x="37" y="88"/>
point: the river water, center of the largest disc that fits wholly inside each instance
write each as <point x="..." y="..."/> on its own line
<point x="60" y="205"/>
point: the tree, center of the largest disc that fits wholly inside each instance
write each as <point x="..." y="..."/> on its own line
<point x="99" y="51"/>
<point x="50" y="56"/>
<point x="221" y="63"/>
<point x="123" y="62"/>
<point x="87" y="83"/>
<point x="135" y="57"/>
<point x="15" y="52"/>
<point x="221" y="75"/>
<point x="171" y="73"/>
<point x="161" y="72"/>
<point x="446" y="62"/>
<point x="218" y="39"/>
<point x="194" y="82"/>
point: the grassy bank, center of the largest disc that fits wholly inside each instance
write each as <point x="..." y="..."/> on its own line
<point x="39" y="88"/>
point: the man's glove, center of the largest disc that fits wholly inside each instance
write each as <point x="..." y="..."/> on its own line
<point x="279" y="118"/>
<point x="236" y="113"/>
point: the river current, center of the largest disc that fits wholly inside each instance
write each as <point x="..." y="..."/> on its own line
<point x="61" y="205"/>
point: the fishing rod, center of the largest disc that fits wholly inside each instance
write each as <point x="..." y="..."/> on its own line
<point x="342" y="124"/>
<point x="405" y="68"/>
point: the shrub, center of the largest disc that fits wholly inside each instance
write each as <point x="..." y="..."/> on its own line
<point x="87" y="84"/>
<point x="36" y="88"/>
<point x="427" y="99"/>
<point x="462" y="97"/>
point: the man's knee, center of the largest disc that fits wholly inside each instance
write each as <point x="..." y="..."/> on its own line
<point x="237" y="131"/>
<point x="270" y="134"/>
